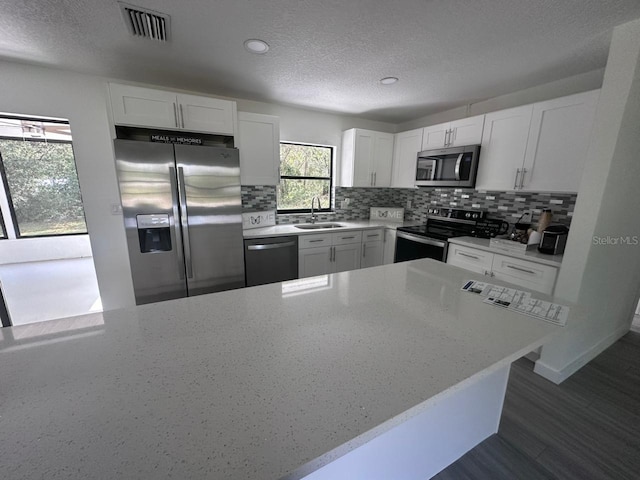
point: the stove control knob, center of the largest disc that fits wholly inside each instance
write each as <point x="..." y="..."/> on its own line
<point x="475" y="215"/>
<point x="468" y="215"/>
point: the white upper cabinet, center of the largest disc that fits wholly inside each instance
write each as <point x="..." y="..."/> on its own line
<point x="467" y="131"/>
<point x="405" y="153"/>
<point x="258" y="140"/>
<point x="503" y="147"/>
<point x="206" y="114"/>
<point x="146" y="107"/>
<point x="558" y="143"/>
<point x="143" y="106"/>
<point x="539" y="147"/>
<point x="434" y="136"/>
<point x="366" y="158"/>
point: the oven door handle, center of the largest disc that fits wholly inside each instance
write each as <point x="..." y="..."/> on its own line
<point x="420" y="239"/>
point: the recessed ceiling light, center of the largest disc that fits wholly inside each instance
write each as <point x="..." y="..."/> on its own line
<point x="388" y="80"/>
<point x="254" y="45"/>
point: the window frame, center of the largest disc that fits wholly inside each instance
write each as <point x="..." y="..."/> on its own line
<point x="7" y="190"/>
<point x="329" y="208"/>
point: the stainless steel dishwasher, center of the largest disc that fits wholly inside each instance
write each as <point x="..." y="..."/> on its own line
<point x="270" y="259"/>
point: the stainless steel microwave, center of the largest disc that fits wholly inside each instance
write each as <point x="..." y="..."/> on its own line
<point x="448" y="167"/>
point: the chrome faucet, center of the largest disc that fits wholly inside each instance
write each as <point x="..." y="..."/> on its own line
<point x="313" y="214"/>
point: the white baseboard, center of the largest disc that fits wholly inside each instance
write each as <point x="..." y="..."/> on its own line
<point x="559" y="376"/>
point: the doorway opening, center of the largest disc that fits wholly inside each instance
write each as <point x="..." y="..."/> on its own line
<point x="46" y="263"/>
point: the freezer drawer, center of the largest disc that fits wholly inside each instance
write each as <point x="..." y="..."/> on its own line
<point x="272" y="259"/>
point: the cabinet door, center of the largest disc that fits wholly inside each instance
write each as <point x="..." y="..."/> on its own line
<point x="469" y="258"/>
<point x="382" y="159"/>
<point x="524" y="273"/>
<point x="258" y="140"/>
<point x="314" y="261"/>
<point x="346" y="257"/>
<point x="363" y="158"/>
<point x="434" y="136"/>
<point x="143" y="107"/>
<point x="389" y="241"/>
<point x="504" y="142"/>
<point x="558" y="142"/>
<point x="467" y="131"/>
<point x="405" y="153"/>
<point x="206" y="114"/>
<point x="372" y="254"/>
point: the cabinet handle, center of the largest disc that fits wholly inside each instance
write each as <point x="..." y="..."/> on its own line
<point x="487" y="272"/>
<point x="375" y="178"/>
<point x="521" y="269"/>
<point x="332" y="255"/>
<point x="524" y="170"/>
<point x="316" y="241"/>
<point x="371" y="179"/>
<point x="364" y="250"/>
<point x="346" y="238"/>
<point x="384" y="236"/>
<point x="467" y="255"/>
<point x="181" y="115"/>
<point x="175" y="113"/>
<point x="515" y="184"/>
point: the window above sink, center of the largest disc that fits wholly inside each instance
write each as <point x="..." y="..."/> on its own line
<point x="306" y="171"/>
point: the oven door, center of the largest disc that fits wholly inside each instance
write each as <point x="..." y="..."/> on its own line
<point x="413" y="247"/>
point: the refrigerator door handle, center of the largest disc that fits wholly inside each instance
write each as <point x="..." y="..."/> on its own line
<point x="176" y="223"/>
<point x="185" y="223"/>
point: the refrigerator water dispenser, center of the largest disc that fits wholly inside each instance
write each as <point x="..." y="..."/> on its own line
<point x="154" y="233"/>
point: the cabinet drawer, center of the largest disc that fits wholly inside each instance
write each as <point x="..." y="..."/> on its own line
<point x="526" y="274"/>
<point x="317" y="240"/>
<point x="345" y="238"/>
<point x="373" y="235"/>
<point x="469" y="258"/>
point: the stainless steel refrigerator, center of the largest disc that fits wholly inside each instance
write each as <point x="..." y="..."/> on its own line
<point x="182" y="215"/>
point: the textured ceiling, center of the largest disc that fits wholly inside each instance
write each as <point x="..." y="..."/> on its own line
<point x="327" y="54"/>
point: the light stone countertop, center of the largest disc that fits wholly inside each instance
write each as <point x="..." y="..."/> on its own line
<point x="531" y="255"/>
<point x="290" y="228"/>
<point x="258" y="383"/>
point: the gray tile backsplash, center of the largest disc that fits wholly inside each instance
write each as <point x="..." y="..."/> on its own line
<point x="505" y="205"/>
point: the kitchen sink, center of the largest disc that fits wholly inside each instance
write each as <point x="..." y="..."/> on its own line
<point x="317" y="226"/>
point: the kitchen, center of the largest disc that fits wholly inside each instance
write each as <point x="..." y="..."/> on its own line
<point x="84" y="100"/>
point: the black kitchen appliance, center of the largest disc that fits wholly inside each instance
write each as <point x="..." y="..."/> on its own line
<point x="431" y="239"/>
<point x="554" y="239"/>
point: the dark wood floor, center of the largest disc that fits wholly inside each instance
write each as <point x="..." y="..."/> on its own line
<point x="586" y="428"/>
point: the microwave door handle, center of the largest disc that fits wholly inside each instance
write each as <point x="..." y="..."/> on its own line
<point x="457" y="170"/>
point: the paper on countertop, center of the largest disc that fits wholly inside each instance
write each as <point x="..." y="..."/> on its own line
<point x="519" y="301"/>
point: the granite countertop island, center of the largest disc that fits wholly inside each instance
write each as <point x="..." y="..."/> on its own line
<point x="268" y="382"/>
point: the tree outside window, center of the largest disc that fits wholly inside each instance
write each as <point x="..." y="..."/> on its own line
<point x="41" y="184"/>
<point x="305" y="172"/>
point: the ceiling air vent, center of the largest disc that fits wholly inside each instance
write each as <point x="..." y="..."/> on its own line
<point x="146" y="23"/>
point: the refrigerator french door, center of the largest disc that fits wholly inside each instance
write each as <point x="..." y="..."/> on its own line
<point x="182" y="213"/>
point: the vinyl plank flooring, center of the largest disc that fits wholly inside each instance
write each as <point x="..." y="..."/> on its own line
<point x="586" y="428"/>
<point x="495" y="459"/>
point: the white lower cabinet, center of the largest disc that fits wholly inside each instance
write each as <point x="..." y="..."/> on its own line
<point x="372" y="248"/>
<point x="524" y="273"/>
<point x="322" y="253"/>
<point x="389" y="245"/>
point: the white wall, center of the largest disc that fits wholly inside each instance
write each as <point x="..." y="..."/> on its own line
<point x="83" y="100"/>
<point x="560" y="88"/>
<point x="601" y="276"/>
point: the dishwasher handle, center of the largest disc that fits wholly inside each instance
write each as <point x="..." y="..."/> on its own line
<point x="270" y="246"/>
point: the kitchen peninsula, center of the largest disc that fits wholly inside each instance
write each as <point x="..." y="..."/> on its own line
<point x="314" y="378"/>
